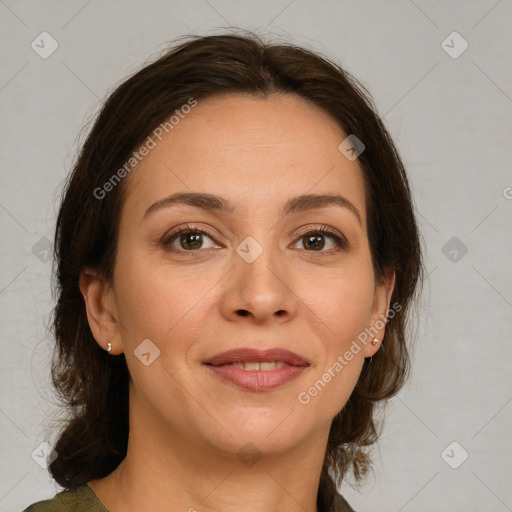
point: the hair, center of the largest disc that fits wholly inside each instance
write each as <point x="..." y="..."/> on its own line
<point x="92" y="385"/>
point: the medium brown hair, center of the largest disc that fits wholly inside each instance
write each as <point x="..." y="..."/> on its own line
<point x="92" y="384"/>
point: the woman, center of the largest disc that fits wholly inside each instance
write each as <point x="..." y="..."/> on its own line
<point x="237" y="253"/>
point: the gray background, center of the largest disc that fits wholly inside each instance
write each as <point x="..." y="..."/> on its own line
<point x="451" y="119"/>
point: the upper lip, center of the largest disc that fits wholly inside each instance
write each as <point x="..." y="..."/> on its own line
<point x="239" y="355"/>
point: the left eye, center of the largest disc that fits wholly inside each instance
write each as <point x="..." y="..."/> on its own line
<point x="316" y="239"/>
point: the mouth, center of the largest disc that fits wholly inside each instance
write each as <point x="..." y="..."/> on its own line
<point x="265" y="359"/>
<point x="259" y="366"/>
<point x="257" y="370"/>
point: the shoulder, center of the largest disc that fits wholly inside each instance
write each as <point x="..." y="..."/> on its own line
<point x="81" y="499"/>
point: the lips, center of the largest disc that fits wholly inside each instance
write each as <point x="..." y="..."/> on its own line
<point x="243" y="355"/>
<point x="257" y="370"/>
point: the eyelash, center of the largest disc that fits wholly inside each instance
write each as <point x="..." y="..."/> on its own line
<point x="166" y="242"/>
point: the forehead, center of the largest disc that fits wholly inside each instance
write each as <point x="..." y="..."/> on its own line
<point x="253" y="151"/>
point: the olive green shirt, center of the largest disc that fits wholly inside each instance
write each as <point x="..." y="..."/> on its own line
<point x="84" y="499"/>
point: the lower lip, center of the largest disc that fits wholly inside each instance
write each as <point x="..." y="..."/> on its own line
<point x="257" y="380"/>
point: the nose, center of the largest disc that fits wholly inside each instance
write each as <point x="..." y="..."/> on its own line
<point x="261" y="289"/>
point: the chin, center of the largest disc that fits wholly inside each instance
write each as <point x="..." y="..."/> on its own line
<point x="275" y="433"/>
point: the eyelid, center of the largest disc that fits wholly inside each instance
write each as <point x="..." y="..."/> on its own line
<point x="324" y="229"/>
<point x="186" y="228"/>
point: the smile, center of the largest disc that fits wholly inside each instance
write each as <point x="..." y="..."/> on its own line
<point x="270" y="365"/>
<point x="255" y="376"/>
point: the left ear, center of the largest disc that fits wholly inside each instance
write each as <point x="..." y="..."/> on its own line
<point x="378" y="320"/>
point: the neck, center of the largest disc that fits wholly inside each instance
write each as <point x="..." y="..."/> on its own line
<point x="170" y="471"/>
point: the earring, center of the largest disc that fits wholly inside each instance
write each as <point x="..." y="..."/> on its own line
<point x="109" y="346"/>
<point x="375" y="341"/>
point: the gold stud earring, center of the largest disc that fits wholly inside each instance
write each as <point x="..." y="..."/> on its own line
<point x="375" y="341"/>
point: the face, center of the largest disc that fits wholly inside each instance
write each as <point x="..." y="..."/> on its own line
<point x="254" y="275"/>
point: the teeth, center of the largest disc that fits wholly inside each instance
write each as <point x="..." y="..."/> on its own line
<point x="250" y="365"/>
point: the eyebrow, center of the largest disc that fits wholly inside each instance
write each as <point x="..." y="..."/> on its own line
<point x="210" y="202"/>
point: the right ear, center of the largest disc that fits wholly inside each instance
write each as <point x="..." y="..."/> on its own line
<point x="101" y="309"/>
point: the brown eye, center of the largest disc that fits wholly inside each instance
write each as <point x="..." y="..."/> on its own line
<point x="315" y="240"/>
<point x="188" y="240"/>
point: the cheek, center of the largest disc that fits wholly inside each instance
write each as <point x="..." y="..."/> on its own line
<point x="141" y="299"/>
<point x="154" y="301"/>
<point x="340" y="354"/>
<point x="343" y="302"/>
<point x="341" y="311"/>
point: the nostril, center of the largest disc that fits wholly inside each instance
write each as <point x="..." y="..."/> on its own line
<point x="243" y="312"/>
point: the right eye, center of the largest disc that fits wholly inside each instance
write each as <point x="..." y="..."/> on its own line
<point x="189" y="238"/>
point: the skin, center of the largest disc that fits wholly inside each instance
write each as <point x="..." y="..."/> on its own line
<point x="186" y="424"/>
